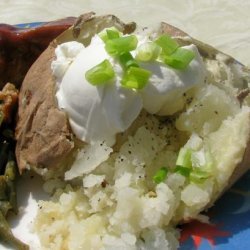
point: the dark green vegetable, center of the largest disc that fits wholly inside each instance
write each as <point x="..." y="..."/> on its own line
<point x="7" y="185"/>
<point x="6" y="235"/>
<point x="8" y="175"/>
<point x="3" y="188"/>
<point x="8" y="133"/>
<point x="4" y="149"/>
<point x="5" y="207"/>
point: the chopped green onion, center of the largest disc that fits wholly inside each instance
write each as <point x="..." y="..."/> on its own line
<point x="103" y="35"/>
<point x="110" y="33"/>
<point x="168" y="44"/>
<point x="183" y="171"/>
<point x="127" y="60"/>
<point x="100" y="73"/>
<point x="179" y="59"/>
<point x="184" y="158"/>
<point x="148" y="52"/>
<point x="160" y="175"/>
<point x="121" y="45"/>
<point x="135" y="78"/>
<point x="199" y="176"/>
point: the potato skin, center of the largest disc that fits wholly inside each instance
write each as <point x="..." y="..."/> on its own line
<point x="43" y="134"/>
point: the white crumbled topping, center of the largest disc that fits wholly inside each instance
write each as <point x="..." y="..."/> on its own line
<point x="88" y="158"/>
<point x="157" y="210"/>
<point x="158" y="239"/>
<point x="126" y="242"/>
<point x="99" y="201"/>
<point x="142" y="147"/>
<point x="92" y="180"/>
<point x="176" y="181"/>
<point x="207" y="110"/>
<point x="123" y="181"/>
<point x="228" y="144"/>
<point x="194" y="195"/>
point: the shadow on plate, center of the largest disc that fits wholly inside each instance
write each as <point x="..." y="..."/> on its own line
<point x="29" y="189"/>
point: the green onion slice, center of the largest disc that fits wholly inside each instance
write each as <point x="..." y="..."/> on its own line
<point x="126" y="60"/>
<point x="179" y="59"/>
<point x="100" y="73"/>
<point x="184" y="158"/>
<point x="113" y="33"/>
<point x="160" y="175"/>
<point x="168" y="44"/>
<point x="110" y="33"/>
<point x="135" y="78"/>
<point x="199" y="176"/>
<point x="183" y="171"/>
<point x="121" y="45"/>
<point x="148" y="52"/>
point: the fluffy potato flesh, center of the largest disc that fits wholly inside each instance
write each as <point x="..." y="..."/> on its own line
<point x="209" y="107"/>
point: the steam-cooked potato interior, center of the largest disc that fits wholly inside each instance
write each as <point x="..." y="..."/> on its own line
<point x="118" y="202"/>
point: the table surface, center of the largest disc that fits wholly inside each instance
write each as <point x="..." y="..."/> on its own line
<point x="221" y="23"/>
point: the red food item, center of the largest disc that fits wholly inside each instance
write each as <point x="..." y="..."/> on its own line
<point x="199" y="230"/>
<point x="20" y="47"/>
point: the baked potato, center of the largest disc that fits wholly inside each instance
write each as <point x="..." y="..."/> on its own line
<point x="212" y="121"/>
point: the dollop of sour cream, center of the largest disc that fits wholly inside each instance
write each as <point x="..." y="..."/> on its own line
<point x="98" y="113"/>
<point x="162" y="94"/>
